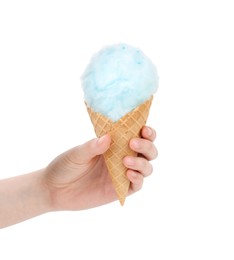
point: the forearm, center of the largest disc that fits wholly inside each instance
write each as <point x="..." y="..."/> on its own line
<point x="23" y="197"/>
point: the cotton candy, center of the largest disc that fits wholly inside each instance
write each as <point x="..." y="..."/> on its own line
<point x="118" y="79"/>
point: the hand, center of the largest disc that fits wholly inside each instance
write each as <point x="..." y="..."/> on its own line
<point x="78" y="179"/>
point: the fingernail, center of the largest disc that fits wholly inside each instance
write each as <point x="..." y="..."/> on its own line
<point x="101" y="139"/>
<point x="149" y="131"/>
<point x="136" y="144"/>
<point x="129" y="161"/>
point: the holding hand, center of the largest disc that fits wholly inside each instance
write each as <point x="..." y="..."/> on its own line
<point x="79" y="179"/>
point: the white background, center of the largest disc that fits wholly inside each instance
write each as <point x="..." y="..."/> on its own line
<point x="185" y="210"/>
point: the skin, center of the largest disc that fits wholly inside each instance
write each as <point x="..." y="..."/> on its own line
<point x="76" y="180"/>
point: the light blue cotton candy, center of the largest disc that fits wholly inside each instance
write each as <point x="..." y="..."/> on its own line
<point x="117" y="80"/>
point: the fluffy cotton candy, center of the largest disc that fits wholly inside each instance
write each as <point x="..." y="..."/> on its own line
<point x="117" y="80"/>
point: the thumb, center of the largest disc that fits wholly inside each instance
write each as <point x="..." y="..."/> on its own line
<point x="85" y="152"/>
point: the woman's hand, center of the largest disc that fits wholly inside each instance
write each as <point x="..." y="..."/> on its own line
<point x="78" y="179"/>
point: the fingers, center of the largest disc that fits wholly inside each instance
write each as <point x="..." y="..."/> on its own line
<point x="138" y="164"/>
<point x="144" y="147"/>
<point x="136" y="180"/>
<point x="139" y="167"/>
<point x="90" y="149"/>
<point x="148" y="133"/>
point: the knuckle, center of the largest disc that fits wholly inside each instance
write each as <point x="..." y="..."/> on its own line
<point x="149" y="145"/>
<point x="146" y="146"/>
<point x="143" y="163"/>
<point x="139" y="186"/>
<point x="151" y="169"/>
<point x="155" y="153"/>
<point x="138" y="183"/>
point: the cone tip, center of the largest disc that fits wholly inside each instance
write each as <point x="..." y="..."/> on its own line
<point x="122" y="200"/>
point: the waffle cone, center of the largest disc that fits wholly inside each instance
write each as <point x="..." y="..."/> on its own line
<point x="121" y="132"/>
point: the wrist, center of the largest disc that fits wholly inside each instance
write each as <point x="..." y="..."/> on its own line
<point x="43" y="192"/>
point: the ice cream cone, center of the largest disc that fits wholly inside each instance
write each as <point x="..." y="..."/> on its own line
<point x="121" y="132"/>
